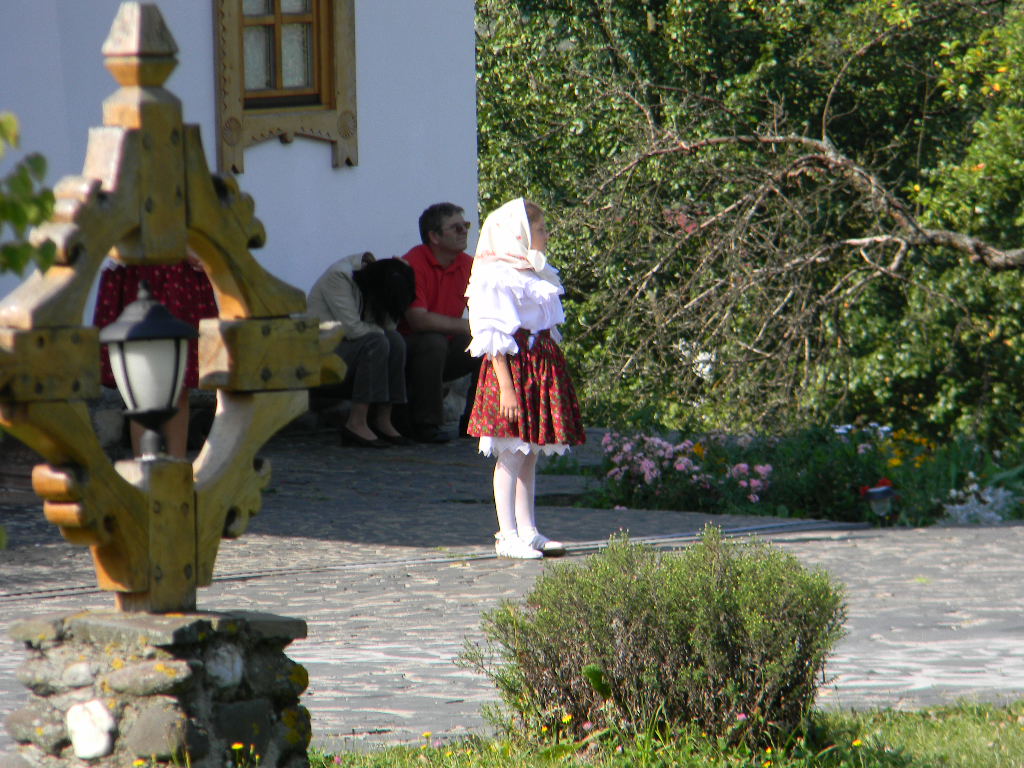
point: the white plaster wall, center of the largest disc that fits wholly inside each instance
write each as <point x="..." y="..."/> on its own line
<point x="416" y="104"/>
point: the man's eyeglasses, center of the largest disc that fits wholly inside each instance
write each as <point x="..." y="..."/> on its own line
<point x="459" y="227"/>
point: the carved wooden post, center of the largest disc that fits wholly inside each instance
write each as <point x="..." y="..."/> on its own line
<point x="144" y="196"/>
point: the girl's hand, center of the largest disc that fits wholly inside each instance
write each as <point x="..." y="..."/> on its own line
<point x="508" y="404"/>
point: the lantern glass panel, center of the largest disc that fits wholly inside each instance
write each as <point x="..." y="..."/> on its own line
<point x="149" y="373"/>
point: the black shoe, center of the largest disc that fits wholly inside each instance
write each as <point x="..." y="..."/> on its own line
<point x="428" y="434"/>
<point x="350" y="438"/>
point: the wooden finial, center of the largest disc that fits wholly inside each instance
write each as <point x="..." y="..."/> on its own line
<point x="140" y="49"/>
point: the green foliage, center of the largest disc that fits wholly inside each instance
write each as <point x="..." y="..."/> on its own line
<point x="728" y="637"/>
<point x="582" y="105"/>
<point x="23" y="204"/>
<point x="809" y="473"/>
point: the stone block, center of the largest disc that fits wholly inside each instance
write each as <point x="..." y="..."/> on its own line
<point x="162" y="731"/>
<point x="225" y="667"/>
<point x="150" y="678"/>
<point x="267" y="626"/>
<point x="245" y="722"/>
<point x="38" y="632"/>
<point x="127" y="629"/>
<point x="40" y="675"/>
<point x="91" y="728"/>
<point x="79" y="675"/>
<point x="271" y="673"/>
<point x="38" y="724"/>
<point x="293" y="731"/>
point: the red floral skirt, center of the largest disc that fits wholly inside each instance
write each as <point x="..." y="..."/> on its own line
<point x="548" y="410"/>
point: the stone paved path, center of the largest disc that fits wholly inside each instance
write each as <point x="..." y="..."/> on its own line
<point x="386" y="555"/>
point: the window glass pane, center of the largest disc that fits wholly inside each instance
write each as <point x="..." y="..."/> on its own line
<point x="296" y="44"/>
<point x="294" y="6"/>
<point x="256" y="7"/>
<point x="259" y="58"/>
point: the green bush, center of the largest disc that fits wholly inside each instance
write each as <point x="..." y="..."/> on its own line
<point x="727" y="637"/>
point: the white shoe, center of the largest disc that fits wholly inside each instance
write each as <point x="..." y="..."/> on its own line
<point x="546" y="546"/>
<point x="512" y="546"/>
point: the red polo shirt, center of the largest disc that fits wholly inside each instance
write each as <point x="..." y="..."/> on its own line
<point x="439" y="289"/>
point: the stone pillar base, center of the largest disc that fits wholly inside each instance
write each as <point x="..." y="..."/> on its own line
<point x="197" y="689"/>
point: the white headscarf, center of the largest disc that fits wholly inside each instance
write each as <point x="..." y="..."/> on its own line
<point x="505" y="238"/>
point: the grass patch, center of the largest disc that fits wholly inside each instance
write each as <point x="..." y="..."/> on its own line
<point x="966" y="735"/>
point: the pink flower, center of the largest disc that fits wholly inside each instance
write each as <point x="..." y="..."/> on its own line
<point x="740" y="470"/>
<point x="684" y="464"/>
<point x="686" y="446"/>
<point x="743" y="483"/>
<point x="763" y="470"/>
<point x="753" y="498"/>
<point x="864" y="448"/>
<point x="619" y="508"/>
<point x="755" y="485"/>
<point x="650" y="471"/>
<point x="741" y="716"/>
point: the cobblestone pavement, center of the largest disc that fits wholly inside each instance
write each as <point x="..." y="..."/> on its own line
<point x="387" y="556"/>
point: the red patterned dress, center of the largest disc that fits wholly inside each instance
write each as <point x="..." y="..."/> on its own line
<point x="515" y="312"/>
<point x="183" y="288"/>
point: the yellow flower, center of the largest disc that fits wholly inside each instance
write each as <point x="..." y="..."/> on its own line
<point x="917" y="187"/>
<point x="566" y="718"/>
<point x="543" y="729"/>
<point x="857" y="742"/>
<point x="768" y="750"/>
<point x="138" y="761"/>
<point x="698" y="450"/>
<point x="895" y="462"/>
<point x="427" y="734"/>
<point x="237" y="745"/>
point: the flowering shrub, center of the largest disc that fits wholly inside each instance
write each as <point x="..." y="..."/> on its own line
<point x="658" y="463"/>
<point x="827" y="473"/>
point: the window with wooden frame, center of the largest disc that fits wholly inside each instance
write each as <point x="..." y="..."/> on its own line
<point x="285" y="68"/>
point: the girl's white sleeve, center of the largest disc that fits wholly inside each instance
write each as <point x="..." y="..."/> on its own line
<point x="494" y="310"/>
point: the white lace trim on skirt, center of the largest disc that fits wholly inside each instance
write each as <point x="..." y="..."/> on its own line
<point x="492" y="446"/>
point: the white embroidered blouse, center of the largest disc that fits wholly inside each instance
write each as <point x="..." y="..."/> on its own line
<point x="503" y="299"/>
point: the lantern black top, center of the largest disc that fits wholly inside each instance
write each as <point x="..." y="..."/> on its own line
<point x="146" y="318"/>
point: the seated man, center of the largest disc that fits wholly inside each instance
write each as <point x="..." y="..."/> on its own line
<point x="437" y="333"/>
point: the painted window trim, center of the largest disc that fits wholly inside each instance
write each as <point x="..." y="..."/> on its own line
<point x="239" y="128"/>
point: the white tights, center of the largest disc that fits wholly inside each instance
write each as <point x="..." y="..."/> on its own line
<point x="515" y="475"/>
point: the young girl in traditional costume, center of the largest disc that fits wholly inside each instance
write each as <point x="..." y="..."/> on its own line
<point x="525" y="400"/>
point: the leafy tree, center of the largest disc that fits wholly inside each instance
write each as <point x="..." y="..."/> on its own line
<point x="23" y="204"/>
<point x="768" y="209"/>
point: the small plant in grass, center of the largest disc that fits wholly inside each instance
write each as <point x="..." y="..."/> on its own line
<point x="728" y="637"/>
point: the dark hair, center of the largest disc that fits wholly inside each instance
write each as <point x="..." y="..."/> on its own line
<point x="533" y="212"/>
<point x="388" y="287"/>
<point x="430" y="219"/>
